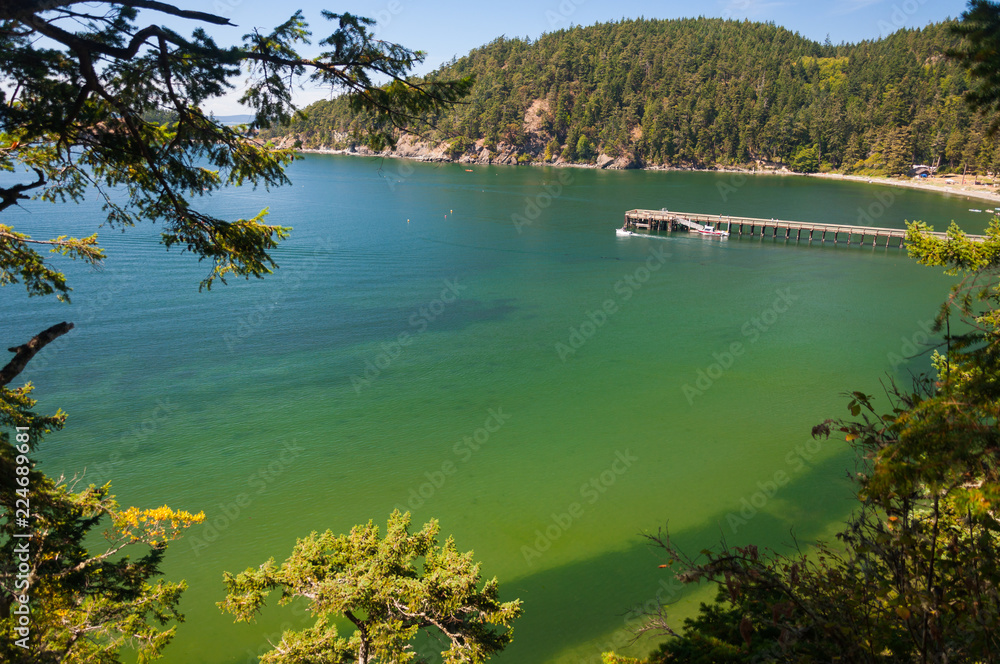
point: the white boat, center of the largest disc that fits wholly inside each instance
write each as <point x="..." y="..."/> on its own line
<point x="709" y="229"/>
<point x="621" y="232"/>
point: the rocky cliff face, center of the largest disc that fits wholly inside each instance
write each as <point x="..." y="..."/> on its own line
<point x="530" y="151"/>
<point x="504" y="154"/>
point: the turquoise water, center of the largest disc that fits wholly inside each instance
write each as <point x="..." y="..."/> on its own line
<point x="548" y="391"/>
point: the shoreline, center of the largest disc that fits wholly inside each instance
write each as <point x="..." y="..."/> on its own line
<point x="969" y="191"/>
<point x="934" y="186"/>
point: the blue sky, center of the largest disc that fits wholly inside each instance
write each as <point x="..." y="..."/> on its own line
<point x="446" y="28"/>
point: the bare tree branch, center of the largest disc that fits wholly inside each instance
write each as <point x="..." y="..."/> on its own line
<point x="174" y="11"/>
<point x="24" y="353"/>
<point x="11" y="195"/>
<point x="15" y="9"/>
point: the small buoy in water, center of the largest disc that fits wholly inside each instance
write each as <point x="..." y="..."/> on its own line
<point x="407" y="221"/>
<point x="451" y="212"/>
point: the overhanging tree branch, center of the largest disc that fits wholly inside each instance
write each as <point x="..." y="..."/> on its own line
<point x="115" y="72"/>
<point x="17" y="9"/>
<point x="11" y="195"/>
<point x="24" y="353"/>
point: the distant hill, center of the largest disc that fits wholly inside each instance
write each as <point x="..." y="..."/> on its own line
<point x="169" y="116"/>
<point x="234" y="119"/>
<point x="700" y="93"/>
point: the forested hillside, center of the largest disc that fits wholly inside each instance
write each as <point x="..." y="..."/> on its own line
<point x="701" y="93"/>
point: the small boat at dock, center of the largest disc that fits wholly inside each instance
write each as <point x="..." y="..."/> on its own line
<point x="709" y="229"/>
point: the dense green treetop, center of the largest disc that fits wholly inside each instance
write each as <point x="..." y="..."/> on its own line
<point x="980" y="53"/>
<point x="390" y="588"/>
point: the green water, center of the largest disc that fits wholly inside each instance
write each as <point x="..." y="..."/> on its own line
<point x="565" y="433"/>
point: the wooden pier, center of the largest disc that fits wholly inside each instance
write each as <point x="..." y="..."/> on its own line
<point x="665" y="220"/>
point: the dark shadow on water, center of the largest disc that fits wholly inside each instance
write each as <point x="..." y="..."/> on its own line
<point x="464" y="313"/>
<point x="384" y="325"/>
<point x="575" y="603"/>
<point x="428" y="317"/>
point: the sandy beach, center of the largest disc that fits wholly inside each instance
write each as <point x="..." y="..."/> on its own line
<point x="943" y="185"/>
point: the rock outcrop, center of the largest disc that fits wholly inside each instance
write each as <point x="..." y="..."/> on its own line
<point x="529" y="150"/>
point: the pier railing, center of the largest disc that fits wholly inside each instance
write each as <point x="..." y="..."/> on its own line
<point x="667" y="220"/>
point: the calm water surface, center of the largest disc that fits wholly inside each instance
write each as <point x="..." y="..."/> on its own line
<point x="558" y="392"/>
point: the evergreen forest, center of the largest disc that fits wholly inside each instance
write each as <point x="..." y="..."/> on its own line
<point x="700" y="93"/>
